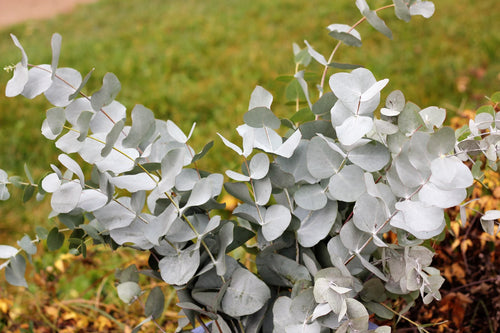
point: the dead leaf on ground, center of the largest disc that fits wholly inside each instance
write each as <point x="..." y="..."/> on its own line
<point x="454" y="305"/>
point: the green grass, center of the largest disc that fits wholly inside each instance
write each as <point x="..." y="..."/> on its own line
<point x="198" y="61"/>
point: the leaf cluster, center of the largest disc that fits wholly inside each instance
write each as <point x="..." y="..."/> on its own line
<point x="319" y="194"/>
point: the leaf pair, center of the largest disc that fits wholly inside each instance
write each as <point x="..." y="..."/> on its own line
<point x="358" y="95"/>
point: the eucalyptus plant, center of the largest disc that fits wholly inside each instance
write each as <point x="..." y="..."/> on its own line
<point x="320" y="194"/>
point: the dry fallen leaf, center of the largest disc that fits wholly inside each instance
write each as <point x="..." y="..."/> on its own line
<point x="102" y="324"/>
<point x="454" y="305"/>
<point x="51" y="311"/>
<point x="5" y="305"/>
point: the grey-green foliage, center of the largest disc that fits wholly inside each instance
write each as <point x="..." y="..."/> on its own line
<point x="318" y="192"/>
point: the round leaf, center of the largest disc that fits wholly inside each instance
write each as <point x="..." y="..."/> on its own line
<point x="348" y="184"/>
<point x="7" y="251"/>
<point x="116" y="214"/>
<point x="178" y="267"/>
<point x="259" y="166"/>
<point x="128" y="291"/>
<point x="56" y="120"/>
<point x="433" y="195"/>
<point x="369" y="214"/>
<point x="315" y="225"/>
<point x="263" y="189"/>
<point x="371" y="157"/>
<point x="59" y="92"/>
<point x="39" y="80"/>
<point x="55" y="239"/>
<point x="442" y="142"/>
<point x="66" y="197"/>
<point x="420" y="219"/>
<point x="278" y="270"/>
<point x="322" y="160"/>
<point x="491" y="215"/>
<point x="276" y="220"/>
<point x="201" y="193"/>
<point x="353" y="129"/>
<point x="133" y="183"/>
<point x="310" y="197"/>
<point x="91" y="200"/>
<point x="433" y="116"/>
<point x="450" y="173"/>
<point x="245" y="295"/>
<point x="260" y="98"/>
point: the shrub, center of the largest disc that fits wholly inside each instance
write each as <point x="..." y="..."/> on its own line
<point x="338" y="205"/>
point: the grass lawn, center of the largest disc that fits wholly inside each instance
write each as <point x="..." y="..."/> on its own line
<point x="198" y="61"/>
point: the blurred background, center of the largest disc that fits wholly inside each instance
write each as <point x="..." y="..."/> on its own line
<point x="198" y="61"/>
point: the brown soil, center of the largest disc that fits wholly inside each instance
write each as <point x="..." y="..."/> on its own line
<point x="16" y="11"/>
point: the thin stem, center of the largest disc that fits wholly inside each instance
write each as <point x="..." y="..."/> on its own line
<point x="325" y="70"/>
<point x="297" y="99"/>
<point x="268" y="138"/>
<point x="242" y="328"/>
<point x="253" y="191"/>
<point x="218" y="325"/>
<point x="20" y="183"/>
<point x="288" y="199"/>
<point x="297" y="251"/>
<point x="405" y="318"/>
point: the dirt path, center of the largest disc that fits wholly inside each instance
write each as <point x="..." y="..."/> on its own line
<point x="16" y="11"/>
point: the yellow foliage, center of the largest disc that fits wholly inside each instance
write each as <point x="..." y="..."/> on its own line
<point x="488" y="202"/>
<point x="69" y="315"/>
<point x="487" y="238"/>
<point x="455" y="227"/>
<point x="102" y="323"/>
<point x="464" y="245"/>
<point x="455" y="243"/>
<point x="491" y="179"/>
<point x="59" y="265"/>
<point x="67" y="330"/>
<point x="51" y="311"/>
<point x="5" y="305"/>
<point x="230" y="201"/>
<point x="80" y="321"/>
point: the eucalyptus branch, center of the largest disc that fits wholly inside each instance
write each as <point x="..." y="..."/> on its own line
<point x="330" y="59"/>
<point x="71" y="86"/>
